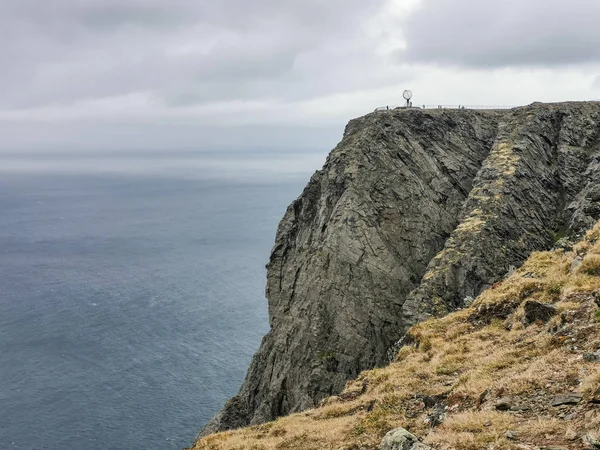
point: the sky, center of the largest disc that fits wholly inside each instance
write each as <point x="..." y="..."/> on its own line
<point x="137" y="75"/>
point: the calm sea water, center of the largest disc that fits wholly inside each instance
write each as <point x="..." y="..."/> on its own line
<point x="130" y="304"/>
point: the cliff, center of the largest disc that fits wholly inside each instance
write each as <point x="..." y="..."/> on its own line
<point x="414" y="212"/>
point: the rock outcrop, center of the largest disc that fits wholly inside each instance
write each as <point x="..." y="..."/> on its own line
<point x="537" y="185"/>
<point x="413" y="212"/>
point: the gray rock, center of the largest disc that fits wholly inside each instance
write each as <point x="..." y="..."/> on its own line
<point x="413" y="212"/>
<point x="400" y="439"/>
<point x="517" y="193"/>
<point x="503" y="404"/>
<point x="520" y="408"/>
<point x="571" y="434"/>
<point x="570" y="398"/>
<point x="437" y="416"/>
<point x="566" y="244"/>
<point x="511" y="435"/>
<point x="575" y="264"/>
<point x="510" y="272"/>
<point x="592" y="440"/>
<point x="596" y="297"/>
<point x="536" y="311"/>
<point x="592" y="357"/>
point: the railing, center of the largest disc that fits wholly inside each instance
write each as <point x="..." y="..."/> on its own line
<point x="389" y="107"/>
<point x="385" y="108"/>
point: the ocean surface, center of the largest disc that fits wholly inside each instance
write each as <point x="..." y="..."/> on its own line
<point x="131" y="301"/>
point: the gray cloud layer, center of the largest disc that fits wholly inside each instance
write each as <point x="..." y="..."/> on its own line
<point x="133" y="72"/>
<point x="504" y="33"/>
<point x="183" y="51"/>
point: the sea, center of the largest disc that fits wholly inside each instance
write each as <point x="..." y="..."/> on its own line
<point x="132" y="290"/>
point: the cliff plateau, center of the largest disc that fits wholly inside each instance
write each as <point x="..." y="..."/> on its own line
<point x="414" y="213"/>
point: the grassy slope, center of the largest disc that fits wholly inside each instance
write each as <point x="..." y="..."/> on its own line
<point x="462" y="365"/>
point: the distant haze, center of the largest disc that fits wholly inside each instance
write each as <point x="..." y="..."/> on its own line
<point x="189" y="74"/>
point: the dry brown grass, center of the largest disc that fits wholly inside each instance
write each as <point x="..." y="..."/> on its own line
<point x="590" y="266"/>
<point x="470" y="430"/>
<point x="470" y="358"/>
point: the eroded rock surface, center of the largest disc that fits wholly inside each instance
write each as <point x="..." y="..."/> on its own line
<point x="413" y="212"/>
<point x="533" y="189"/>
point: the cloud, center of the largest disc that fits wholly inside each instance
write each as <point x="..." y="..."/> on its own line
<point x="180" y="51"/>
<point x="503" y="33"/>
<point x="135" y="73"/>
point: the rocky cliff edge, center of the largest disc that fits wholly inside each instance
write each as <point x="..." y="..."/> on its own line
<point x="414" y="213"/>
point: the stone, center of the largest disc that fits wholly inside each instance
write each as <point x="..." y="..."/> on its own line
<point x="592" y="357"/>
<point x="520" y="408"/>
<point x="468" y="301"/>
<point x="570" y="398"/>
<point x="536" y="311"/>
<point x="592" y="440"/>
<point x="510" y="435"/>
<point x="437" y="416"/>
<point x="596" y="297"/>
<point x="401" y="439"/>
<point x="565" y="244"/>
<point x="503" y="404"/>
<point x="413" y="211"/>
<point x="575" y="264"/>
<point x="571" y="434"/>
<point x="510" y="272"/>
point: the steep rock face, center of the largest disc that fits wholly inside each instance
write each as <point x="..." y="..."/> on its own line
<point x="538" y="183"/>
<point x="413" y="211"/>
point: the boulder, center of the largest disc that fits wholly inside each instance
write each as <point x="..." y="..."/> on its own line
<point x="592" y="357"/>
<point x="511" y="435"/>
<point x="401" y="439"/>
<point x="570" y="398"/>
<point x="503" y="404"/>
<point x="536" y="311"/>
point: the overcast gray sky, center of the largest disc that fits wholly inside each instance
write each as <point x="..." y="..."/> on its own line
<point x="174" y="74"/>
